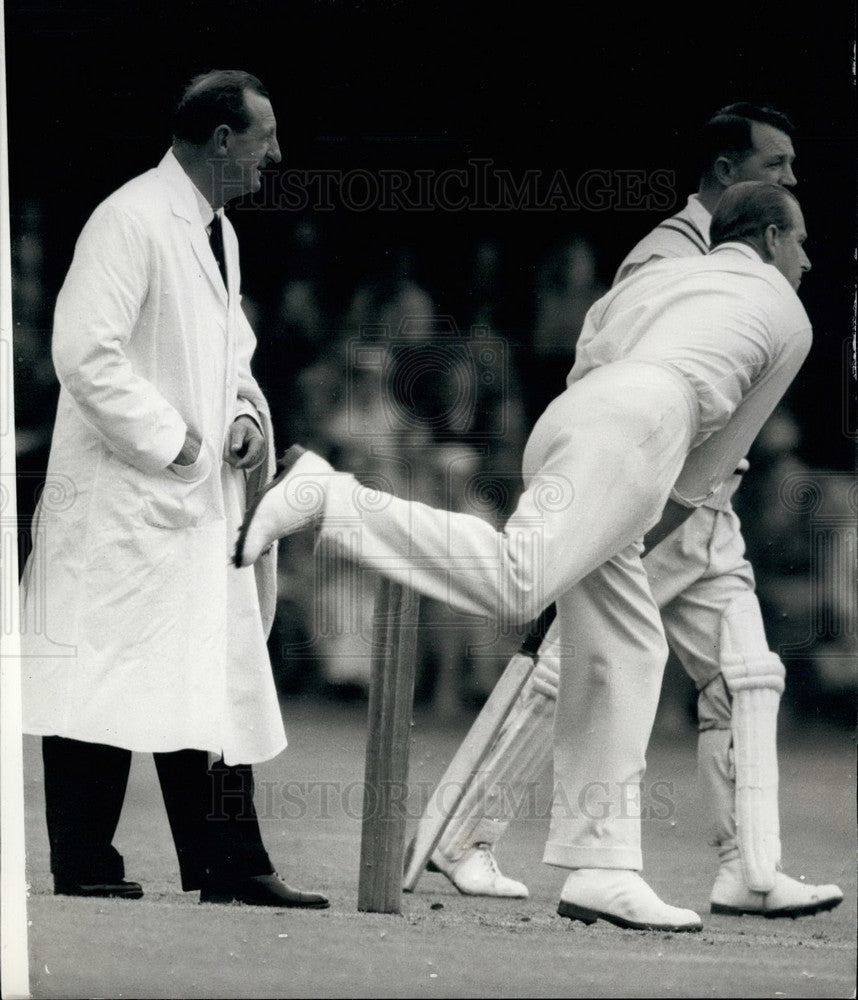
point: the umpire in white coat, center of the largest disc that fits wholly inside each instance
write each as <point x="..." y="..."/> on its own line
<point x="138" y="636"/>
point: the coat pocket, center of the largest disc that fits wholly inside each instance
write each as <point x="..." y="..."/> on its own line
<point x="183" y="496"/>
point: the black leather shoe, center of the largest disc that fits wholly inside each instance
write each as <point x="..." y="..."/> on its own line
<point x="262" y="890"/>
<point x="114" y="890"/>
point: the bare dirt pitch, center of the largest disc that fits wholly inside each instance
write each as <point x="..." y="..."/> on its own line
<point x="445" y="944"/>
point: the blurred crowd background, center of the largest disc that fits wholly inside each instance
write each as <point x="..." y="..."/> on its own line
<point x="417" y="347"/>
<point x="429" y="391"/>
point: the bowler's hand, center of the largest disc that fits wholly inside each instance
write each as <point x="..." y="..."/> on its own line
<point x="245" y="444"/>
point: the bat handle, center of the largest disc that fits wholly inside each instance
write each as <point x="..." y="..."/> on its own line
<point x="536" y="631"/>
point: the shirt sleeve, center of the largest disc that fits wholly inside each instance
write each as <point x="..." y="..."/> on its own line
<point x="629" y="267"/>
<point x="250" y="400"/>
<point x="244" y="408"/>
<point x="709" y="464"/>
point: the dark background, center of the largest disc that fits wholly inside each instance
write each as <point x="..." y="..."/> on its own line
<point x="430" y="87"/>
<point x="370" y="85"/>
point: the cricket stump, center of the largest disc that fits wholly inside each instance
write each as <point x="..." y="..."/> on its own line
<point x="391" y="703"/>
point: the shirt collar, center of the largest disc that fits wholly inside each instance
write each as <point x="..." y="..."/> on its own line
<point x="206" y="211"/>
<point x="700" y="216"/>
<point x="734" y="246"/>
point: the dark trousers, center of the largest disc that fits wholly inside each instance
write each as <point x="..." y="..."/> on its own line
<point x="211" y="812"/>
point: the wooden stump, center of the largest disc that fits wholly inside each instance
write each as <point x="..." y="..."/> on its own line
<point x="391" y="702"/>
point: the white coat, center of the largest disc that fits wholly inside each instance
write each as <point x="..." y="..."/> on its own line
<point x="136" y="632"/>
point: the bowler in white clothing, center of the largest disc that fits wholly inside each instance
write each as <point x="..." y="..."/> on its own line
<point x="704" y="587"/>
<point x="677" y="369"/>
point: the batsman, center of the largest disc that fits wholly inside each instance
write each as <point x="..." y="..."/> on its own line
<point x="677" y="369"/>
<point x="704" y="588"/>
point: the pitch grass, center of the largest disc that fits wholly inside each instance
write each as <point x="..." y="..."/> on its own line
<point x="445" y="944"/>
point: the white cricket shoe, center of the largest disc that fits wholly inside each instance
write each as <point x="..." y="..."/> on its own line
<point x="789" y="898"/>
<point x="623" y="898"/>
<point x="294" y="498"/>
<point x="476" y="873"/>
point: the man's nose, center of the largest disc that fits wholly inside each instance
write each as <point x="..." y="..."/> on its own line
<point x="274" y="151"/>
<point x="788" y="178"/>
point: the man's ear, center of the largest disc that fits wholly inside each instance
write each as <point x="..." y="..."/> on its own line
<point x="771" y="238"/>
<point x="220" y="137"/>
<point x="724" y="171"/>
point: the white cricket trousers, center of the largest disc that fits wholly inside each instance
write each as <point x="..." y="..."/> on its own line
<point x="598" y="469"/>
<point x="695" y="575"/>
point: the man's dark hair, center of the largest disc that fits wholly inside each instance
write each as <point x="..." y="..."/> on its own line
<point x="728" y="131"/>
<point x="212" y="99"/>
<point x="747" y="209"/>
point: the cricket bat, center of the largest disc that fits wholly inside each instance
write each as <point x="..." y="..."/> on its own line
<point x="475" y="747"/>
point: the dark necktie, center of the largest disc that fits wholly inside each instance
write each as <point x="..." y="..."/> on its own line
<point x="216" y="242"/>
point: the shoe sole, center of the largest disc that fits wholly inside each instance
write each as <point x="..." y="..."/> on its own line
<point x="588" y="916"/>
<point x="792" y="912"/>
<point x="284" y="464"/>
<point x="228" y="898"/>
<point x="271" y="906"/>
<point x="480" y="894"/>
